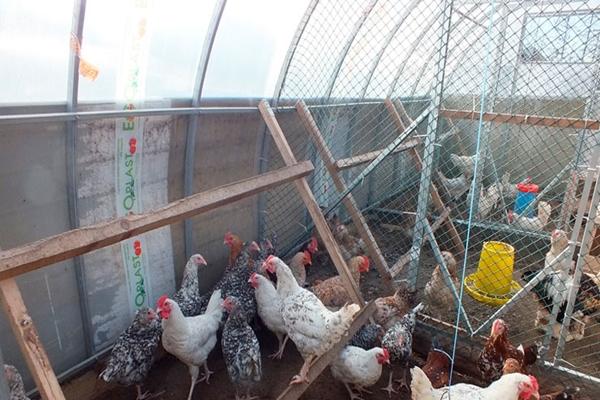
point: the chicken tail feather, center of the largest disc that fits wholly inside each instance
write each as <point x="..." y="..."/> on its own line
<point x="420" y="386"/>
<point x="215" y="302"/>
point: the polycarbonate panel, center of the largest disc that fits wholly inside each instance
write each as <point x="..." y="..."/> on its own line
<point x="250" y="47"/>
<point x="34" y="49"/>
<point x="176" y="32"/>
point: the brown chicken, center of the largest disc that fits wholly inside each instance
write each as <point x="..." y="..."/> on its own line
<point x="298" y="265"/>
<point x="498" y="348"/>
<point x="332" y="291"/>
<point x="235" y="247"/>
<point x="391" y="309"/>
<point x="438" y="297"/>
<point x="350" y="245"/>
<point x="437" y="366"/>
<point x="511" y="366"/>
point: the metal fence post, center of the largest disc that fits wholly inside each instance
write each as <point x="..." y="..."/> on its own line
<point x="430" y="139"/>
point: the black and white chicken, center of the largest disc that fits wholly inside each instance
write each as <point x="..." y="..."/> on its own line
<point x="241" y="350"/>
<point x="188" y="296"/>
<point x="133" y="352"/>
<point x="16" y="389"/>
<point x="398" y="341"/>
<point x="368" y="336"/>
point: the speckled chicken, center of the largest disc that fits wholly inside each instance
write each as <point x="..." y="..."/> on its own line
<point x="188" y="296"/>
<point x="310" y="325"/>
<point x="368" y="336"/>
<point x="332" y="291"/>
<point x="437" y="366"/>
<point x="359" y="367"/>
<point x="16" y="389"/>
<point x="437" y="295"/>
<point x="133" y="353"/>
<point x="269" y="310"/>
<point x="390" y="309"/>
<point x="241" y="350"/>
<point x="398" y="340"/>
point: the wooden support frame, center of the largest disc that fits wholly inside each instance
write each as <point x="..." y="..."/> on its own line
<point x="311" y="203"/>
<point x="351" y="162"/>
<point x="520" y="119"/>
<point x="76" y="242"/>
<point x="293" y="392"/>
<point x="359" y="221"/>
<point x="459" y="248"/>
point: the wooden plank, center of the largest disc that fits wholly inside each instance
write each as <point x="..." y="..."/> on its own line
<point x="66" y="245"/>
<point x="29" y="341"/>
<point x="293" y="392"/>
<point x="459" y="248"/>
<point x="311" y="203"/>
<point x="348" y="201"/>
<point x="365" y="158"/>
<point x="521" y="119"/>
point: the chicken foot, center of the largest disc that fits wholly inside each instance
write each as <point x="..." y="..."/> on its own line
<point x="302" y="377"/>
<point x="146" y="395"/>
<point x="207" y="374"/>
<point x="279" y="353"/>
<point x="353" y="396"/>
<point x="361" y="389"/>
<point x="390" y="387"/>
<point x="404" y="380"/>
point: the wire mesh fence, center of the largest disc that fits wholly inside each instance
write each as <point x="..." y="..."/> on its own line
<point x="504" y="179"/>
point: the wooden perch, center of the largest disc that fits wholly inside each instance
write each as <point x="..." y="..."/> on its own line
<point x="311" y="204"/>
<point x="293" y="392"/>
<point x="29" y="341"/>
<point x="73" y="243"/>
<point x="359" y="221"/>
<point x="520" y="119"/>
<point x="365" y="158"/>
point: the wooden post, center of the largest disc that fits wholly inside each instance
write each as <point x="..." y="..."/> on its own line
<point x="311" y="203"/>
<point x="293" y="392"/>
<point x="29" y="341"/>
<point x="349" y="202"/>
<point x="459" y="248"/>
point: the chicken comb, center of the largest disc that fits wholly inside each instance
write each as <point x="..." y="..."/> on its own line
<point x="366" y="261"/>
<point x="308" y="256"/>
<point x="161" y="300"/>
<point x="314" y="245"/>
<point x="534" y="383"/>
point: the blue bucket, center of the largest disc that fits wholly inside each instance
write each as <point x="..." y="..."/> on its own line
<point x="526" y="193"/>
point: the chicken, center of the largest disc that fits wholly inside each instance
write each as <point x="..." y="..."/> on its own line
<point x="359" y="367"/>
<point x="241" y="350"/>
<point x="508" y="387"/>
<point x="16" y="389"/>
<point x="368" y="336"/>
<point x="438" y="297"/>
<point x="191" y="339"/>
<point x="488" y="200"/>
<point x="298" y="265"/>
<point x="554" y="289"/>
<point x="389" y="310"/>
<point x="456" y="187"/>
<point x="465" y="164"/>
<point x="350" y="245"/>
<point x="269" y="311"/>
<point x="332" y="291"/>
<point x="567" y="394"/>
<point x="437" y="366"/>
<point x="511" y="366"/>
<point x="498" y="348"/>
<point x="133" y="353"/>
<point x="311" y="326"/>
<point x="188" y="296"/>
<point x="398" y="340"/>
<point x="536" y="223"/>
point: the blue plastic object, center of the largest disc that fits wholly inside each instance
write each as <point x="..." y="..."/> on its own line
<point x="526" y="193"/>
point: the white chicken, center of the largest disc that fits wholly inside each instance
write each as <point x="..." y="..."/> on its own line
<point x="269" y="310"/>
<point x="456" y="187"/>
<point x="359" y="367"/>
<point x="311" y="326"/>
<point x="191" y="339"/>
<point x="509" y="387"/>
<point x="536" y="223"/>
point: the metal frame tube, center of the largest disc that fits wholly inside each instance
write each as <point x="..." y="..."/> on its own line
<point x="72" y="184"/>
<point x="430" y="139"/>
<point x="192" y="128"/>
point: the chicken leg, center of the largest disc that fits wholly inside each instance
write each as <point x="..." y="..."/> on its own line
<point x="390" y="387"/>
<point x="353" y="396"/>
<point x="282" y="342"/>
<point x="403" y="381"/>
<point x="146" y="395"/>
<point x="303" y="376"/>
<point x="194" y="371"/>
<point x="207" y="374"/>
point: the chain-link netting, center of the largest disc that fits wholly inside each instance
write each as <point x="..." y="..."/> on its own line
<point x="506" y="167"/>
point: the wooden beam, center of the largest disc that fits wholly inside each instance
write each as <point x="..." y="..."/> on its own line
<point x="29" y="341"/>
<point x="459" y="248"/>
<point x="359" y="221"/>
<point x="311" y="203"/>
<point x="521" y="119"/>
<point x="66" y="245"/>
<point x="365" y="158"/>
<point x="293" y="392"/>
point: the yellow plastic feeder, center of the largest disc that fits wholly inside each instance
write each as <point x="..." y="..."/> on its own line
<point x="493" y="282"/>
